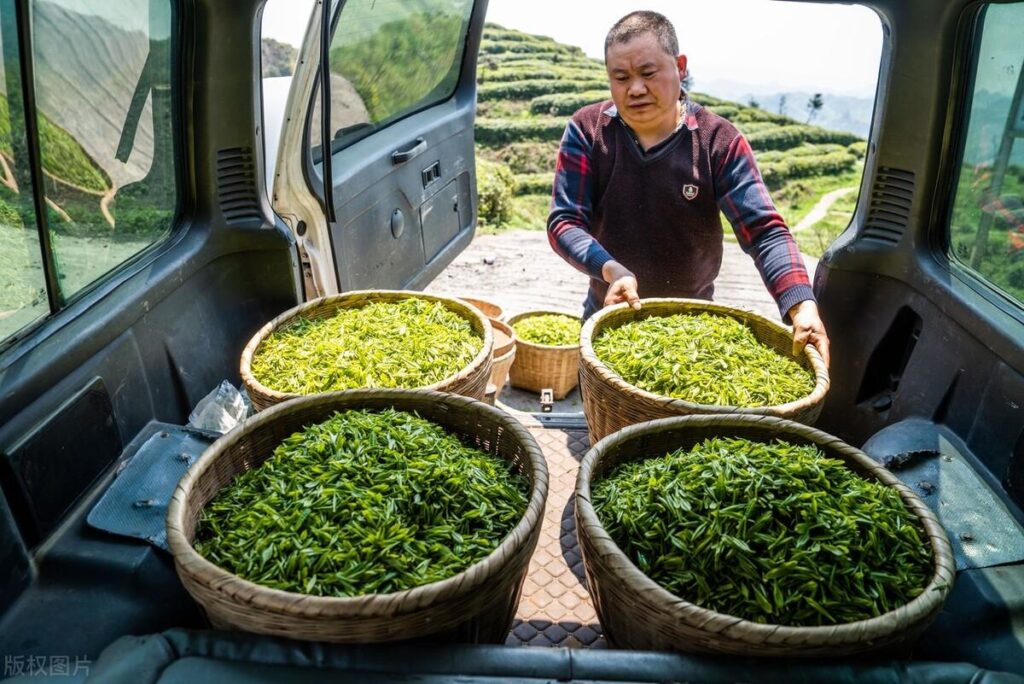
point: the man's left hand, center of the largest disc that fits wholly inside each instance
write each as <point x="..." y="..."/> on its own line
<point x="808" y="329"/>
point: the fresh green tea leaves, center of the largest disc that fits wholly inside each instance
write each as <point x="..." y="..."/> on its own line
<point x="409" y="343"/>
<point x="554" y="330"/>
<point x="363" y="503"/>
<point x="769" y="532"/>
<point x="703" y="358"/>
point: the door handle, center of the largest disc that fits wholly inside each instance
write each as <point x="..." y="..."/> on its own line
<point x="402" y="156"/>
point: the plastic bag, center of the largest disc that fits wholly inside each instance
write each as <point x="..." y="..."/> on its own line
<point x="220" y="410"/>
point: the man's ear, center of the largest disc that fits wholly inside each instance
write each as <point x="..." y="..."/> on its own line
<point x="681" y="63"/>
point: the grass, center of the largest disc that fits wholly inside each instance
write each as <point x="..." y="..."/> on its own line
<point x="815" y="240"/>
<point x="795" y="199"/>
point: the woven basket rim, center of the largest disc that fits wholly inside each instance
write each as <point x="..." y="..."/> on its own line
<point x="506" y="330"/>
<point x="541" y="312"/>
<point x="484" y="300"/>
<point x="364" y="605"/>
<point x="607" y="375"/>
<point x="746" y="631"/>
<point x="470" y="311"/>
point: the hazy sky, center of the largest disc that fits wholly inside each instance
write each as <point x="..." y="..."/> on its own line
<point x="771" y="46"/>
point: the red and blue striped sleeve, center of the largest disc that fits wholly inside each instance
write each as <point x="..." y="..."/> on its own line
<point x="760" y="229"/>
<point x="572" y="203"/>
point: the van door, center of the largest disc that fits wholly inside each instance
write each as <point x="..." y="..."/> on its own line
<point x="401" y="98"/>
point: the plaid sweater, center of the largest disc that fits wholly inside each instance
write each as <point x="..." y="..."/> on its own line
<point x="657" y="213"/>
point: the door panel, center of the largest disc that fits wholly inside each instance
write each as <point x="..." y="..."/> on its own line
<point x="381" y="239"/>
<point x="403" y="89"/>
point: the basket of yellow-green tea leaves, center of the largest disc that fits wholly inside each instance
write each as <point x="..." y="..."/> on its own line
<point x="363" y="516"/>
<point x="683" y="356"/>
<point x="547" y="352"/>
<point x="755" y="536"/>
<point x="369" y="339"/>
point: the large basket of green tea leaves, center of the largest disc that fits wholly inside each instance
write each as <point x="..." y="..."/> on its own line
<point x="369" y="339"/>
<point x="682" y="356"/>
<point x="547" y="352"/>
<point x="754" y="535"/>
<point x="363" y="516"/>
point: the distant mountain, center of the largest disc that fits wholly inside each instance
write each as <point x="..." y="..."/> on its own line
<point x="988" y="120"/>
<point x="278" y="58"/>
<point x="840" y="112"/>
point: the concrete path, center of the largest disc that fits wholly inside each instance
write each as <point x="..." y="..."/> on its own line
<point x="821" y="208"/>
<point x="519" y="271"/>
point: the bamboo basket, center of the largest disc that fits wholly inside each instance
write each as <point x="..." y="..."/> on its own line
<point x="471" y="381"/>
<point x="637" y="613"/>
<point x="503" y="357"/>
<point x="489" y="309"/>
<point x="476" y="605"/>
<point x="537" y="367"/>
<point x="610" y="403"/>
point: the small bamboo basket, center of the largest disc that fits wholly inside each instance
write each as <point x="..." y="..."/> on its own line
<point x="471" y="381"/>
<point x="637" y="613"/>
<point x="489" y="309"/>
<point x="537" y="367"/>
<point x="476" y="605"/>
<point x="610" y="403"/>
<point x="504" y="355"/>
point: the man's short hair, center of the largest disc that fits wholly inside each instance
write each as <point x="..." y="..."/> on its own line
<point x="638" y="23"/>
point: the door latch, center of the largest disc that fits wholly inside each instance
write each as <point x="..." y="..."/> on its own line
<point x="431" y="173"/>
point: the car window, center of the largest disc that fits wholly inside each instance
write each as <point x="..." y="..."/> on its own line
<point x="986" y="230"/>
<point x="22" y="283"/>
<point x="102" y="109"/>
<point x="102" y="81"/>
<point x="390" y="58"/>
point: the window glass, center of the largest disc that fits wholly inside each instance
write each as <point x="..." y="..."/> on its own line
<point x="103" y="96"/>
<point x="390" y="58"/>
<point x="986" y="232"/>
<point x="22" y="284"/>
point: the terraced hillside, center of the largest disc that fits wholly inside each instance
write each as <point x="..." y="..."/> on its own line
<point x="529" y="85"/>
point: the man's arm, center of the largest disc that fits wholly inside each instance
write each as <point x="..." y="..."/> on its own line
<point x="569" y="220"/>
<point x="762" y="233"/>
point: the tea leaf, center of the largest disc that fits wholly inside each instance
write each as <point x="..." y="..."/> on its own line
<point x="409" y="343"/>
<point x="362" y="503"/>
<point x="552" y="330"/>
<point x="769" y="532"/>
<point x="702" y="358"/>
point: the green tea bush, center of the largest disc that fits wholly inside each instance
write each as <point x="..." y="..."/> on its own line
<point x="751" y="114"/>
<point x="725" y="111"/>
<point x="858" y="149"/>
<point x="534" y="183"/>
<point x="566" y="104"/>
<point x="506" y="74"/>
<point x="524" y="157"/>
<point x="775" y="173"/>
<point x="526" y="90"/>
<point x="786" y="137"/>
<point x="504" y="131"/>
<point x="495" y="186"/>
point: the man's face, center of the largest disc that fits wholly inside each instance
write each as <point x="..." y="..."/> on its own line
<point x="644" y="82"/>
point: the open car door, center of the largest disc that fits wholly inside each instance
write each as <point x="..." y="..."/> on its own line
<point x="401" y="95"/>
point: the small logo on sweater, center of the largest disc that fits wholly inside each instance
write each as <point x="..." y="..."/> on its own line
<point x="689" y="191"/>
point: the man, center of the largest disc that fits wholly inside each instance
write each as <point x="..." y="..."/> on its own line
<point x="640" y="182"/>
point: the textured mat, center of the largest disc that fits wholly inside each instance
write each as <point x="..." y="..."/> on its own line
<point x="556" y="609"/>
<point x="135" y="504"/>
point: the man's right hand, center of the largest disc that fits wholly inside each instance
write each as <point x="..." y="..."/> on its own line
<point x="622" y="286"/>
